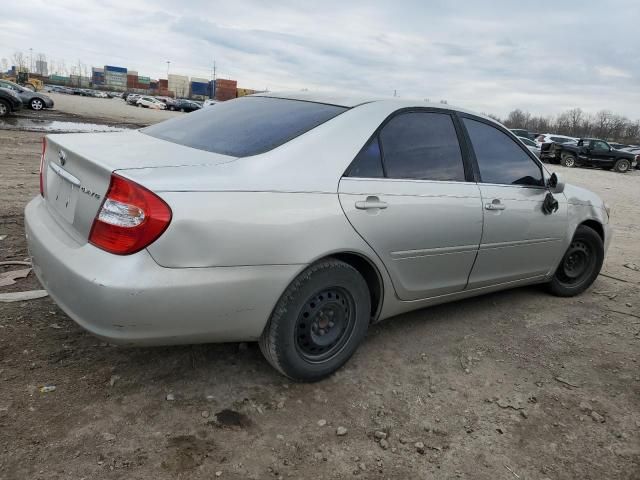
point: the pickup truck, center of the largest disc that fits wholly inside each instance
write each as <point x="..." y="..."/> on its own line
<point x="593" y="152"/>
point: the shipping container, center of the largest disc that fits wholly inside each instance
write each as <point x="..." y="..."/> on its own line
<point x="97" y="69"/>
<point x="245" y="91"/>
<point x="111" y="68"/>
<point x="163" y="83"/>
<point x="179" y="84"/>
<point x="200" y="88"/>
<point x="143" y="79"/>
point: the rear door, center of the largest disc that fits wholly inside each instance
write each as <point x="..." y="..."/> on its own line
<point x="519" y="241"/>
<point x="410" y="196"/>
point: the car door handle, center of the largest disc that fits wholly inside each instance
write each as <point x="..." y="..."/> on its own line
<point x="495" y="205"/>
<point x="371" y="203"/>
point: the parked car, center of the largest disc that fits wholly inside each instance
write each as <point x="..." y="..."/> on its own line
<point x="31" y="99"/>
<point x="596" y="153"/>
<point x="545" y="141"/>
<point x="531" y="145"/>
<point x="183" y="105"/>
<point x="10" y="102"/>
<point x="298" y="220"/>
<point x="522" y="133"/>
<point x="551" y="138"/>
<point x="210" y="103"/>
<point x="150" y="102"/>
<point x="132" y="98"/>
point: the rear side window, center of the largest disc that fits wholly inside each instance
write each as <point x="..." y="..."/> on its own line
<point x="500" y="159"/>
<point x="422" y="145"/>
<point x="368" y="163"/>
<point x="245" y="126"/>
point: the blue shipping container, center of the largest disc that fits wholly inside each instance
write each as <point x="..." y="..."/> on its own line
<point x="111" y="68"/>
<point x="199" y="88"/>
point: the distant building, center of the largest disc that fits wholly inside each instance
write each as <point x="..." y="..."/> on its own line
<point x="41" y="68"/>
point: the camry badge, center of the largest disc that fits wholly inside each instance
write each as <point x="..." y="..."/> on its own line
<point x="63" y="157"/>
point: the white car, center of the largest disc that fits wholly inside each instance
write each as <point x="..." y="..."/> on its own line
<point x="552" y="138"/>
<point x="150" y="102"/>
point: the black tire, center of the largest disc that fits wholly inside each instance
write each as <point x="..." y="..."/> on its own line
<point x="318" y="323"/>
<point x="36" y="104"/>
<point x="5" y="108"/>
<point x="580" y="264"/>
<point x="568" y="160"/>
<point x="622" y="165"/>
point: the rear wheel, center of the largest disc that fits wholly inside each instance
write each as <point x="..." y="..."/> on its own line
<point x="318" y="322"/>
<point x="5" y="109"/>
<point x="568" y="160"/>
<point x="622" y="165"/>
<point x="580" y="265"/>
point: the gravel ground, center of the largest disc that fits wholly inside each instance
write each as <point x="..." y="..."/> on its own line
<point x="513" y="385"/>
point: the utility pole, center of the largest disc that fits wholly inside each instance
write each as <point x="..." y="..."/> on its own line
<point x="168" y="63"/>
<point x="31" y="60"/>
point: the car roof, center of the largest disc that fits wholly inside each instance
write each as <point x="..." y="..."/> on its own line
<point x="349" y="100"/>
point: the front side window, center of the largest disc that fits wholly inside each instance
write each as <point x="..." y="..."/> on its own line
<point x="422" y="145"/>
<point x="500" y="159"/>
<point x="600" y="145"/>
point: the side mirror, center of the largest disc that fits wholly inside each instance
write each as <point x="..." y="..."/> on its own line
<point x="554" y="184"/>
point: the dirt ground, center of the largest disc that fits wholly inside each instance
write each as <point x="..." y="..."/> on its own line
<point x="107" y="109"/>
<point x="513" y="385"/>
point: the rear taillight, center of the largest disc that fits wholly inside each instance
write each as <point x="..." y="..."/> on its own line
<point x="130" y="218"/>
<point x="44" y="150"/>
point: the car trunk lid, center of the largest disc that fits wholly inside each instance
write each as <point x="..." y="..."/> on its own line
<point x="77" y="170"/>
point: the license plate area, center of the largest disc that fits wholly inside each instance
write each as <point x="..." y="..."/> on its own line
<point x="62" y="192"/>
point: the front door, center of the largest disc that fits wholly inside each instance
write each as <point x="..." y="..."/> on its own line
<point x="408" y="195"/>
<point x="519" y="241"/>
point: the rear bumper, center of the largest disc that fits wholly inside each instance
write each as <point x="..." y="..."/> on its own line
<point x="132" y="300"/>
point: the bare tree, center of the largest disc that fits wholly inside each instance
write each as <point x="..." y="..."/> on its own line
<point x="19" y="60"/>
<point x="576" y="123"/>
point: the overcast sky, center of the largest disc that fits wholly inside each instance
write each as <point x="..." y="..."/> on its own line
<point x="543" y="56"/>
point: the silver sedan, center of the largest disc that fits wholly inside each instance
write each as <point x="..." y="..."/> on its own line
<point x="298" y="220"/>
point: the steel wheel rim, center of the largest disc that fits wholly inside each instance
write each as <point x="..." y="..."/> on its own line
<point x="569" y="161"/>
<point x="36" y="104"/>
<point x="3" y="109"/>
<point x="623" y="167"/>
<point x="325" y="324"/>
<point x="577" y="263"/>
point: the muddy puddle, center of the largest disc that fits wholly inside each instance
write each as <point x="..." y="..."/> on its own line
<point x="56" y="126"/>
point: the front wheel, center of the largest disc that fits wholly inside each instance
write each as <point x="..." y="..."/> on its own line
<point x="580" y="265"/>
<point x="622" y="165"/>
<point x="318" y="322"/>
<point x="36" y="104"/>
<point x="568" y="160"/>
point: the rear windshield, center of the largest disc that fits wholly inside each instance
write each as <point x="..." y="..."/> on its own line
<point x="245" y="126"/>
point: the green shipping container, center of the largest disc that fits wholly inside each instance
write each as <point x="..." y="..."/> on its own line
<point x="144" y="79"/>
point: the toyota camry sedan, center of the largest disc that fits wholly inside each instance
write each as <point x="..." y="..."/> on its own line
<point x="298" y="220"/>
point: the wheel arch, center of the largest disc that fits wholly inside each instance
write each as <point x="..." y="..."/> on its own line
<point x="594" y="225"/>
